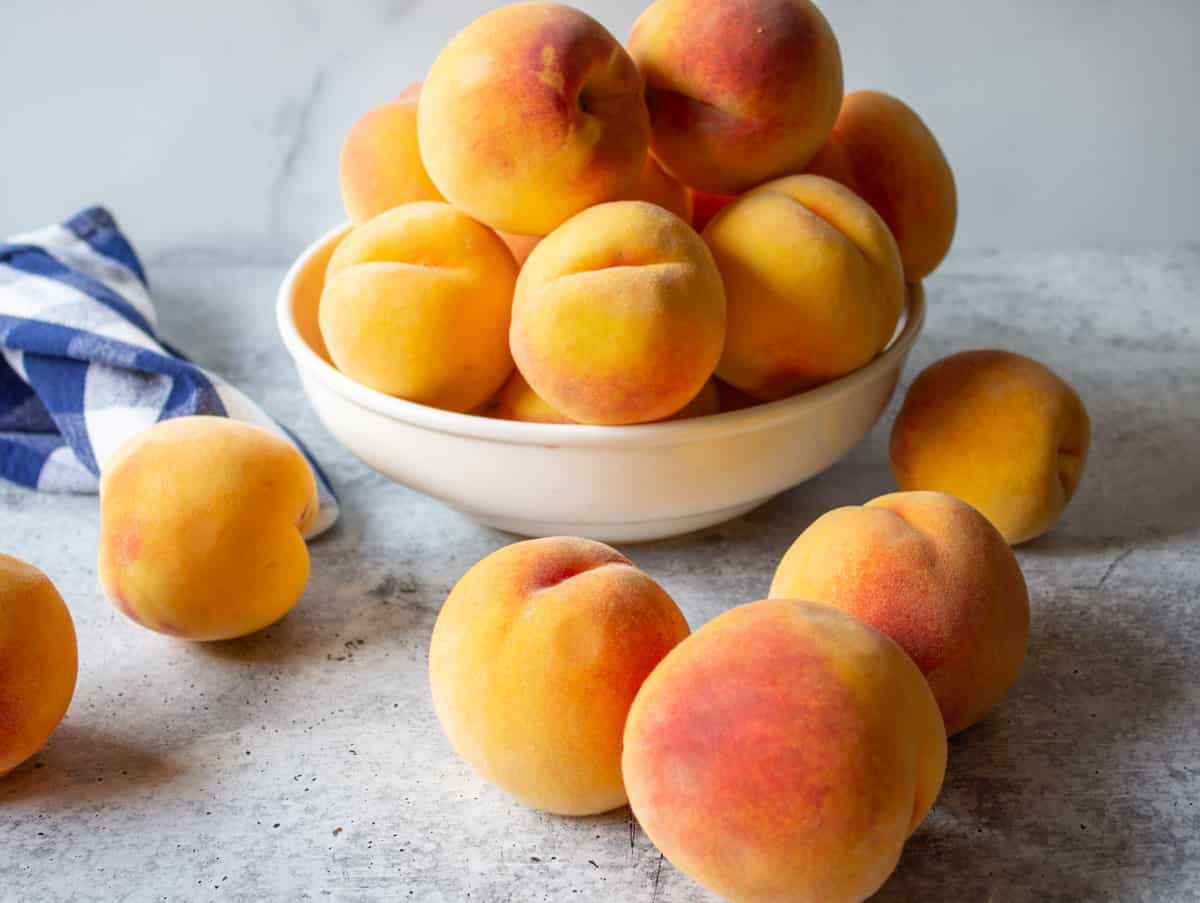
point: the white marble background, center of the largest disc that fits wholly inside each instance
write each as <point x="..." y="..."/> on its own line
<point x="212" y="129"/>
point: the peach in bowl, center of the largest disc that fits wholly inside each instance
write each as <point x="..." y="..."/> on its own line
<point x="611" y="483"/>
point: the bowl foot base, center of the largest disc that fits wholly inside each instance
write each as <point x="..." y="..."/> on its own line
<point x="618" y="531"/>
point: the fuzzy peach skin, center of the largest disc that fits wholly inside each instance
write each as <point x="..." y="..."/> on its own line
<point x="930" y="572"/>
<point x="201" y="527"/>
<point x="619" y="315"/>
<point x="518" y="401"/>
<point x="380" y="166"/>
<point x="739" y="91"/>
<point x="38" y="661"/>
<point x="534" y="661"/>
<point x="784" y="751"/>
<point x="1002" y="432"/>
<point x="653" y="185"/>
<point x="531" y="114"/>
<point x="813" y="282"/>
<point x="417" y="303"/>
<point x="882" y="150"/>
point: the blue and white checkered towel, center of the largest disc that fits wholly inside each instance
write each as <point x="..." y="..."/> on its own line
<point x="82" y="367"/>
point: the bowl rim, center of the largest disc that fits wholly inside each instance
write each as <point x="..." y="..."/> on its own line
<point x="476" y="426"/>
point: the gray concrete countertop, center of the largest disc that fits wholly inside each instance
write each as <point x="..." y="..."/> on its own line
<point x="306" y="762"/>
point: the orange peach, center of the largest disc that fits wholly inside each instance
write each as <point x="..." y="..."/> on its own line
<point x="201" y="527"/>
<point x="930" y="572"/>
<point x="521" y="246"/>
<point x="417" y="303"/>
<point x="739" y="91"/>
<point x="38" y="661"/>
<point x="518" y="401"/>
<point x="619" y="315"/>
<point x="813" y="282"/>
<point x="882" y="150"/>
<point x="380" y="167"/>
<point x="657" y="186"/>
<point x="784" y="751"/>
<point x="1002" y="432"/>
<point x="534" y="661"/>
<point x="531" y="114"/>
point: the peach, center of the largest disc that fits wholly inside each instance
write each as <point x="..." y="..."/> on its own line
<point x="619" y="315"/>
<point x="201" y="527"/>
<point x="739" y="91"/>
<point x="784" y="751"/>
<point x="531" y="114"/>
<point x="813" y="282"/>
<point x="731" y="399"/>
<point x="882" y="150"/>
<point x="658" y="186"/>
<point x="705" y="206"/>
<point x="521" y="246"/>
<point x="534" y="661"/>
<point x="930" y="572"/>
<point x="38" y="661"/>
<point x="380" y="166"/>
<point x="417" y="303"/>
<point x="518" y="401"/>
<point x="1002" y="432"/>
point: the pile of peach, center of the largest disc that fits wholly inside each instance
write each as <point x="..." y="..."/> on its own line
<point x="554" y="228"/>
<point x="788" y="748"/>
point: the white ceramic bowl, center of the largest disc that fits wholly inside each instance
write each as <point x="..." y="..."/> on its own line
<point x="614" y="483"/>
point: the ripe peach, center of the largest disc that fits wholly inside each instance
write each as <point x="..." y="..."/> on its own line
<point x="739" y="91"/>
<point x="784" y="751"/>
<point x="619" y="315"/>
<point x="518" y="401"/>
<point x="1002" y="432"/>
<point x="930" y="572"/>
<point x="884" y="152"/>
<point x="531" y="114"/>
<point x="201" y="527"/>
<point x="38" y="661"/>
<point x="535" y="658"/>
<point x="380" y="167"/>
<point x="658" y="186"/>
<point x="813" y="282"/>
<point x="417" y="303"/>
<point x="705" y="206"/>
<point x="521" y="246"/>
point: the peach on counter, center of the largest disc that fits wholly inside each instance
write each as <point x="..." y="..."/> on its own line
<point x="380" y="166"/>
<point x="531" y="114"/>
<point x="784" y="751"/>
<point x="619" y="315"/>
<point x="534" y="661"/>
<point x="929" y="571"/>
<point x="417" y="303"/>
<point x="201" y="527"/>
<point x="1002" y="432"/>
<point x="884" y="152"/>
<point x="38" y="661"/>
<point x="739" y="91"/>
<point x="813" y="283"/>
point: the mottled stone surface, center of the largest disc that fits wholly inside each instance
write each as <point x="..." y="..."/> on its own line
<point x="306" y="763"/>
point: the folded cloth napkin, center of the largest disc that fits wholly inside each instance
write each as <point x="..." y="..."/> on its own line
<point x="82" y="367"/>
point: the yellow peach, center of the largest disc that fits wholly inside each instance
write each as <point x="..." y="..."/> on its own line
<point x="417" y="303"/>
<point x="739" y="91"/>
<point x="38" y="661"/>
<point x="930" y="572"/>
<point x="813" y="282"/>
<point x="1004" y="433"/>
<point x="531" y="114"/>
<point x="201" y="527"/>
<point x="534" y="661"/>
<point x="619" y="315"/>
<point x="380" y="166"/>
<point x="884" y="152"/>
<point x="784" y="751"/>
